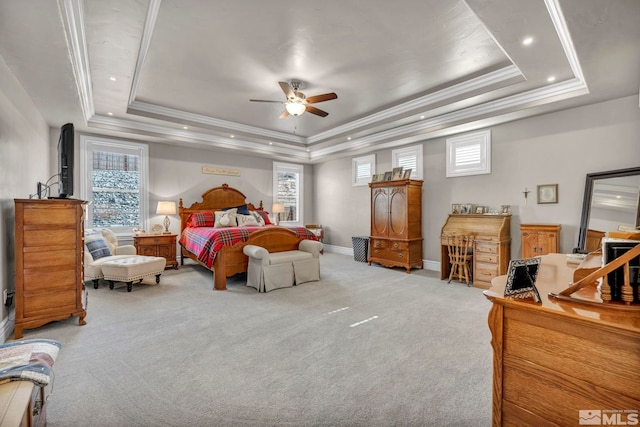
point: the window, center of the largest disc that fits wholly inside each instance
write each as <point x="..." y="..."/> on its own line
<point x="409" y="158"/>
<point x="469" y="154"/>
<point x="362" y="168"/>
<point x="114" y="179"/>
<point x="287" y="189"/>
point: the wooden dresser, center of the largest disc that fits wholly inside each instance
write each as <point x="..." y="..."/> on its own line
<point x="49" y="252"/>
<point x="555" y="359"/>
<point x="491" y="247"/>
<point x="539" y="239"/>
<point x="396" y="223"/>
<point x="161" y="245"/>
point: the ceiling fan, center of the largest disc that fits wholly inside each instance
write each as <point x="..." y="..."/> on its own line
<point x="297" y="103"/>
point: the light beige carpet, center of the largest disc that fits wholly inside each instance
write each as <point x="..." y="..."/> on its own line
<point x="365" y="346"/>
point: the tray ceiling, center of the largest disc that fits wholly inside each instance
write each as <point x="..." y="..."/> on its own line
<point x="183" y="71"/>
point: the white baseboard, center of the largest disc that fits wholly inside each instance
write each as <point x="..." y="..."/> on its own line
<point x="428" y="265"/>
<point x="6" y="326"/>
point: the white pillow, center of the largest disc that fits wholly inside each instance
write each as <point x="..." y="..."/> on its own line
<point x="226" y="218"/>
<point x="258" y="218"/>
<point x="247" y="220"/>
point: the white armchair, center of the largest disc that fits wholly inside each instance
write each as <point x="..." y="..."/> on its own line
<point x="101" y="246"/>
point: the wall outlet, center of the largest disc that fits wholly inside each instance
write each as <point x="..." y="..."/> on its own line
<point x="5" y="295"/>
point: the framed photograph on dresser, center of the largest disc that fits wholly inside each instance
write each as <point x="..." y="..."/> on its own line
<point x="521" y="278"/>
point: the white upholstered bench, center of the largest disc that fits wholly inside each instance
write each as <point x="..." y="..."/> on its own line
<point x="133" y="268"/>
<point x="268" y="271"/>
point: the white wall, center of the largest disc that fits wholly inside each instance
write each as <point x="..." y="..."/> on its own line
<point x="557" y="148"/>
<point x="176" y="172"/>
<point x="24" y="160"/>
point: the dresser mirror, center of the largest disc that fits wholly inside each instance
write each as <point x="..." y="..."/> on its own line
<point x="611" y="200"/>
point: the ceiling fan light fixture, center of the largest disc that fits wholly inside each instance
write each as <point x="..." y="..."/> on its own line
<point x="295" y="108"/>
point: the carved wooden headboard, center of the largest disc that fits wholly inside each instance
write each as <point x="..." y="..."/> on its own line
<point x="215" y="199"/>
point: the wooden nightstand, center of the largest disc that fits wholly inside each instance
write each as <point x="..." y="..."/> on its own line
<point x="163" y="245"/>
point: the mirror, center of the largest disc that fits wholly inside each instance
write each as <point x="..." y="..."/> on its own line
<point x="611" y="200"/>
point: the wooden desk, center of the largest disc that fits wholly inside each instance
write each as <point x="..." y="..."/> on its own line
<point x="553" y="359"/>
<point x="491" y="247"/>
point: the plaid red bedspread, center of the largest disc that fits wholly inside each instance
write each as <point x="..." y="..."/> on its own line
<point x="206" y="242"/>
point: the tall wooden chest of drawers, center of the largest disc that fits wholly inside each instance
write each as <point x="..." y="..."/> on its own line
<point x="396" y="223"/>
<point x="49" y="252"/>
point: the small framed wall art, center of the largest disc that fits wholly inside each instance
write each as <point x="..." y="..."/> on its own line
<point x="548" y="193"/>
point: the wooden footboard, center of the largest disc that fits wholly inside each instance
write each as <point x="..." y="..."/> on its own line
<point x="231" y="260"/>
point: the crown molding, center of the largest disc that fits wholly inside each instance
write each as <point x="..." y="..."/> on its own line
<point x="187" y="136"/>
<point x="72" y="16"/>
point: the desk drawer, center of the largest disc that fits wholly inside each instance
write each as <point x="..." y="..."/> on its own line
<point x="485" y="271"/>
<point x="486" y="257"/>
<point x="486" y="247"/>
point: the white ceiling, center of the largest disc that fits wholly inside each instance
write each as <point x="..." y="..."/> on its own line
<point x="404" y="71"/>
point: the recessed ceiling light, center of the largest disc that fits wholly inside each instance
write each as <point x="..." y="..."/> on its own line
<point x="232" y="136"/>
<point x="271" y="143"/>
<point x="110" y="113"/>
<point x="551" y="79"/>
<point x="185" y="127"/>
<point x="113" y="79"/>
<point x="421" y="117"/>
<point x="527" y="41"/>
<point x="348" y="138"/>
<point x="308" y="150"/>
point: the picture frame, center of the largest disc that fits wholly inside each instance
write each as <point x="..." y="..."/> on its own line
<point x="387" y="176"/>
<point x="406" y="174"/>
<point x="505" y="209"/>
<point x="455" y="208"/>
<point x="374" y="177"/>
<point x="396" y="173"/>
<point x="521" y="278"/>
<point x="547" y="193"/>
<point x="480" y="210"/>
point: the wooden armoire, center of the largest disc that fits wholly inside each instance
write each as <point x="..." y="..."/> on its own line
<point x="396" y="223"/>
<point x="49" y="254"/>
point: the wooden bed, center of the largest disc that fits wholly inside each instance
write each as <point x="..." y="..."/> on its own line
<point x="231" y="260"/>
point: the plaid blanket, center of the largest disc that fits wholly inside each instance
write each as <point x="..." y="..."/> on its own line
<point x="28" y="360"/>
<point x="206" y="242"/>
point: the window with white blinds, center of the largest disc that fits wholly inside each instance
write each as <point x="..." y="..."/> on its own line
<point x="362" y="168"/>
<point x="409" y="158"/>
<point x="469" y="154"/>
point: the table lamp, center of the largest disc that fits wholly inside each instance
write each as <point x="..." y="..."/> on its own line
<point x="277" y="209"/>
<point x="166" y="208"/>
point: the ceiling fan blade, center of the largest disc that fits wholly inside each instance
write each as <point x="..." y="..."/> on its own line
<point x="284" y="114"/>
<point x="288" y="92"/>
<point x="265" y="100"/>
<point x="321" y="98"/>
<point x="316" y="111"/>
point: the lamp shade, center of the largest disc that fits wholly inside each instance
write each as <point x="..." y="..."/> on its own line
<point x="295" y="108"/>
<point x="166" y="208"/>
<point x="277" y="208"/>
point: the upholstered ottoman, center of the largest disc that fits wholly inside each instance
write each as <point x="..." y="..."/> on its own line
<point x="133" y="268"/>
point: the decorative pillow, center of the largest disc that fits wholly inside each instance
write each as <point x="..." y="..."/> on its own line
<point x="242" y="209"/>
<point x="265" y="216"/>
<point x="226" y="218"/>
<point x="201" y="219"/>
<point x="247" y="220"/>
<point x="258" y="218"/>
<point x="96" y="245"/>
